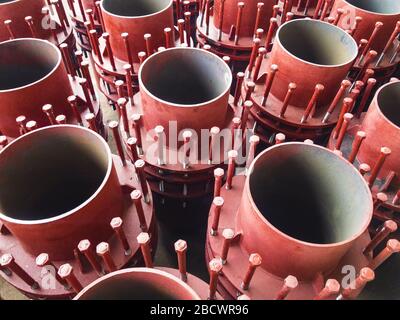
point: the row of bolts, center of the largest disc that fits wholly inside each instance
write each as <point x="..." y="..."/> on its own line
<point x="53" y="6"/>
<point x="259" y="53"/>
<point x="332" y="287"/>
<point x="287" y="15"/>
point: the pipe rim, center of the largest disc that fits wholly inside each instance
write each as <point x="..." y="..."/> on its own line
<point x="70" y="212"/>
<point x="143" y="87"/>
<point x="48" y="75"/>
<point x="154" y="271"/>
<point x="9" y="2"/>
<point x="103" y="9"/>
<point x="378" y="107"/>
<point x="290" y="238"/>
<point x="371" y="12"/>
<point x="333" y="27"/>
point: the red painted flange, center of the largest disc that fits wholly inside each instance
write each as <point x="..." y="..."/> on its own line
<point x="376" y="129"/>
<point x="151" y="112"/>
<point x="272" y="251"/>
<point x="143" y="37"/>
<point x="49" y="86"/>
<point x="59" y="236"/>
<point x="304" y="104"/>
<point x="36" y="19"/>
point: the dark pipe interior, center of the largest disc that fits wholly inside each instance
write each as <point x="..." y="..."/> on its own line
<point x="23" y="62"/>
<point x="134" y="8"/>
<point x="377" y="6"/>
<point x="310" y="194"/>
<point x="185" y="76"/>
<point x="135" y="287"/>
<point x="317" y="42"/>
<point x="388" y="99"/>
<point x="50" y="172"/>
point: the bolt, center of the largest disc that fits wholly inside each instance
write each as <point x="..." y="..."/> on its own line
<point x="31" y="125"/>
<point x="385" y="152"/>
<point x="3" y="141"/>
<point x="218" y="175"/>
<point x="215" y="267"/>
<point x="216" y="208"/>
<point x="280" y="138"/>
<point x="116" y="225"/>
<point x="255" y="261"/>
<point x="268" y="83"/>
<point x="239" y="82"/>
<point x="136" y="196"/>
<point x="388" y="227"/>
<point x="7" y="261"/>
<point x="332" y="287"/>
<point x="291" y="89"/>
<point x="289" y="284"/>
<point x="113" y="125"/>
<point x="254" y="141"/>
<point x="214" y="131"/>
<point x="48" y="110"/>
<point x="358" y="140"/>
<point x="85" y="247"/>
<point x="61" y="119"/>
<point x="139" y="165"/>
<point x="21" y="121"/>
<point x="66" y="272"/>
<point x="160" y="138"/>
<point x="103" y="250"/>
<point x="312" y="104"/>
<point x="366" y="275"/>
<point x="131" y="143"/>
<point x="232" y="155"/>
<point x="364" y="169"/>
<point x="91" y="120"/>
<point x="180" y="249"/>
<point x="392" y="246"/>
<point x="74" y="106"/>
<point x="228" y="235"/>
<point x="144" y="241"/>
<point x="346" y="121"/>
<point x="187" y="136"/>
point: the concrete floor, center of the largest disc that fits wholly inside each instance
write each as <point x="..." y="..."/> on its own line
<point x="174" y="221"/>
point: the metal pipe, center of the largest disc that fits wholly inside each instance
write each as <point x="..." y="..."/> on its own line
<point x="306" y="174"/>
<point x="82" y="204"/>
<point x="136" y="18"/>
<point x="31" y="75"/>
<point x="189" y="82"/>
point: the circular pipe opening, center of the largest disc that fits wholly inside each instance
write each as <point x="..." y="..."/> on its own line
<point x="377" y="6"/>
<point x="138" y="284"/>
<point x="134" y="8"/>
<point x="50" y="172"/>
<point x="317" y="42"/>
<point x="185" y="76"/>
<point x="388" y="97"/>
<point x="309" y="193"/>
<point x="26" y="61"/>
